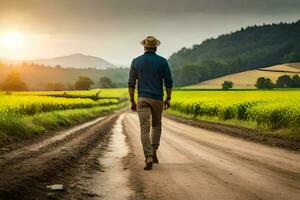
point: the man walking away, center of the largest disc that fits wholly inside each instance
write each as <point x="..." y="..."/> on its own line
<point x="151" y="70"/>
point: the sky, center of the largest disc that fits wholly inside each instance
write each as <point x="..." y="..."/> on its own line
<point x="113" y="29"/>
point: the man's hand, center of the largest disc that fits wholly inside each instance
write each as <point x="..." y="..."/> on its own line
<point x="133" y="106"/>
<point x="167" y="104"/>
<point x="131" y="95"/>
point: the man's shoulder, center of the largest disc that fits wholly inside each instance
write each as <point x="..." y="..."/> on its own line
<point x="156" y="56"/>
<point x="161" y="58"/>
<point x="163" y="61"/>
<point x="139" y="57"/>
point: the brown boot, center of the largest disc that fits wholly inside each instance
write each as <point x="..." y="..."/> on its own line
<point x="149" y="163"/>
<point x="155" y="159"/>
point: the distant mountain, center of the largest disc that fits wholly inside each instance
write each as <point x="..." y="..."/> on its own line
<point x="79" y="61"/>
<point x="249" y="48"/>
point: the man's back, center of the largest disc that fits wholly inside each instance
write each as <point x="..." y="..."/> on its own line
<point x="150" y="70"/>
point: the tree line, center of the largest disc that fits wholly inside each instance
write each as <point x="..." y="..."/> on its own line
<point x="42" y="77"/>
<point x="284" y="81"/>
<point x="249" y="48"/>
<point x="13" y="82"/>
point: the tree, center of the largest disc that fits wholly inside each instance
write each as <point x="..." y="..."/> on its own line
<point x="264" y="83"/>
<point x="260" y="83"/>
<point x="13" y="82"/>
<point x="296" y="80"/>
<point x="105" y="82"/>
<point x="227" y="85"/>
<point x="269" y="84"/>
<point x="250" y="48"/>
<point x="58" y="67"/>
<point x="83" y="83"/>
<point x="284" y="82"/>
<point x="70" y="86"/>
<point x="55" y="86"/>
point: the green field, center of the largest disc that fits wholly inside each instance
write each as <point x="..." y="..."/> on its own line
<point x="94" y="93"/>
<point x="25" y="113"/>
<point x="266" y="110"/>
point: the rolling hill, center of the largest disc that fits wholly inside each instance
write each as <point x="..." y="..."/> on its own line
<point x="247" y="79"/>
<point x="247" y="49"/>
<point x="78" y="60"/>
<point x="294" y="65"/>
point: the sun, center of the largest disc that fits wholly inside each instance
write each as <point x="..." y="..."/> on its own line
<point x="12" y="40"/>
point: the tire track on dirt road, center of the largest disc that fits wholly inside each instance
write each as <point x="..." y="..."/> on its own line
<point x="31" y="150"/>
<point x="98" y="162"/>
<point x="199" y="164"/>
<point x="26" y="172"/>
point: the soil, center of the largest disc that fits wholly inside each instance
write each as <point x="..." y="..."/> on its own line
<point x="26" y="171"/>
<point x="103" y="159"/>
<point x="196" y="163"/>
<point x="242" y="132"/>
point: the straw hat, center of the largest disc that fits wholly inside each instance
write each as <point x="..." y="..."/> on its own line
<point x="150" y="42"/>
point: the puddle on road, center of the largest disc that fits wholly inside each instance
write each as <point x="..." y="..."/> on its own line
<point x="113" y="182"/>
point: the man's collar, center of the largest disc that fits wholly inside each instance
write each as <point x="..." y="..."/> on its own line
<point x="151" y="52"/>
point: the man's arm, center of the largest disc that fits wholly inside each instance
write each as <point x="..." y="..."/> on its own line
<point x="133" y="103"/>
<point x="167" y="102"/>
<point x="131" y="85"/>
<point x="168" y="84"/>
<point x="131" y="93"/>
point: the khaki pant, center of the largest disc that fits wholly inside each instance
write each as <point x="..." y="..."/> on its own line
<point x="150" y="112"/>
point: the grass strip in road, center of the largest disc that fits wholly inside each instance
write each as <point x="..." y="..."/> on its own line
<point x="14" y="128"/>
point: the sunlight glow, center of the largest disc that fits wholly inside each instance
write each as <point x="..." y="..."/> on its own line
<point x="12" y="40"/>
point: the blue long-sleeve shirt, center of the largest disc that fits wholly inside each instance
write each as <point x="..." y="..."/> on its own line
<point x="151" y="70"/>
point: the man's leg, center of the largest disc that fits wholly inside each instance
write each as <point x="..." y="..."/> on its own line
<point x="156" y="110"/>
<point x="144" y="112"/>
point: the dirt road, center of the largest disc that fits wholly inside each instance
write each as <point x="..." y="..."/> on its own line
<point x="200" y="164"/>
<point x="53" y="158"/>
<point x="102" y="159"/>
